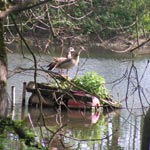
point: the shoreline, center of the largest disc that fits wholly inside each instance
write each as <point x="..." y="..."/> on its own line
<point x="117" y="44"/>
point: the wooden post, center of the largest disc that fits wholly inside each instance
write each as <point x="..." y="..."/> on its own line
<point x="13" y="97"/>
<point x="24" y="94"/>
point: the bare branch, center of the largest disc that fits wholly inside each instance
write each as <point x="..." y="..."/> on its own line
<point x="19" y="7"/>
<point x="80" y="18"/>
<point x="140" y="45"/>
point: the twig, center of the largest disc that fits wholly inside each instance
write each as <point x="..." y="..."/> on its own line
<point x="55" y="133"/>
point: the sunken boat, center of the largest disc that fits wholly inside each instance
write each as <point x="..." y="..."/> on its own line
<point x="50" y="96"/>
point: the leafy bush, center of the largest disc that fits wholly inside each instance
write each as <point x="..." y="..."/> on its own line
<point x="93" y="83"/>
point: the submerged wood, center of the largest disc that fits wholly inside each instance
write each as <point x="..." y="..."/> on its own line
<point x="73" y="99"/>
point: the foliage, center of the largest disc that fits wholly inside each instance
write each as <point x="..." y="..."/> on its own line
<point x="18" y="128"/>
<point x="107" y="18"/>
<point x="93" y="83"/>
<point x="90" y="82"/>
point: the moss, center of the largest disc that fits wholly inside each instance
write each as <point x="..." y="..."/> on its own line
<point x="19" y="127"/>
<point x="3" y="84"/>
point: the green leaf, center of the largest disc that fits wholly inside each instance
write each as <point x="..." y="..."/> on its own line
<point x="92" y="83"/>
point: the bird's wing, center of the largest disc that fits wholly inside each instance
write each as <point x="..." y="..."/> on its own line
<point x="58" y="59"/>
<point x="52" y="65"/>
<point x="67" y="63"/>
<point x="56" y="62"/>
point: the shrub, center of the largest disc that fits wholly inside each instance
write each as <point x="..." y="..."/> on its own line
<point x="93" y="83"/>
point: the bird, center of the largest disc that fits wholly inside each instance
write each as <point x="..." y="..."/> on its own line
<point x="67" y="63"/>
<point x="57" y="60"/>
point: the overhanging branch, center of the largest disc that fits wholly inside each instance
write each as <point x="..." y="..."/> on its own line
<point x="19" y="7"/>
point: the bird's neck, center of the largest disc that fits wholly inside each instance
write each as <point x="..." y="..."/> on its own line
<point x="76" y="57"/>
<point x="69" y="55"/>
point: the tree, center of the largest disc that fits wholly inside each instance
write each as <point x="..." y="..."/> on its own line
<point x="6" y="8"/>
<point x="3" y="58"/>
<point x="3" y="73"/>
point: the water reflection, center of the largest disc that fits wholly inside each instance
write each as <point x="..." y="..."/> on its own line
<point x="51" y="117"/>
<point x="80" y="126"/>
<point x="84" y="130"/>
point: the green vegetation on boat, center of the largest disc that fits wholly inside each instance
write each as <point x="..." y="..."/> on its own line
<point x="92" y="83"/>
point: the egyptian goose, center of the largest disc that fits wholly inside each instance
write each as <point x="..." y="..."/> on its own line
<point x="67" y="62"/>
<point x="60" y="59"/>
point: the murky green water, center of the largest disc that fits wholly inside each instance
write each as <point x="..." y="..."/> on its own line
<point x="118" y="130"/>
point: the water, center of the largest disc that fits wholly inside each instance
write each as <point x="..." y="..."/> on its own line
<point x="119" y="130"/>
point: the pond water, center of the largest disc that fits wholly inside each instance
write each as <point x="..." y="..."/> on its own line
<point x="120" y="129"/>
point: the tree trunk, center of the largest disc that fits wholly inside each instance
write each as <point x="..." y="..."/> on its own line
<point x="146" y="132"/>
<point x="3" y="74"/>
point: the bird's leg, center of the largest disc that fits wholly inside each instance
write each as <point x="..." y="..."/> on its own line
<point x="60" y="71"/>
<point x="67" y="73"/>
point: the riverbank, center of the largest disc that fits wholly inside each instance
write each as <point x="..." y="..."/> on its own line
<point x="125" y="44"/>
<point x="118" y="44"/>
